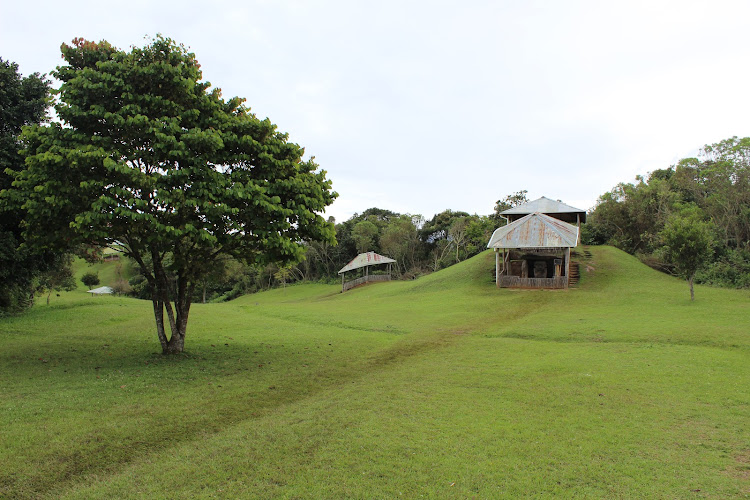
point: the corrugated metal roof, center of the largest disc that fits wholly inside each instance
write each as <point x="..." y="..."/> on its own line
<point x="535" y="231"/>
<point x="366" y="259"/>
<point x="542" y="205"/>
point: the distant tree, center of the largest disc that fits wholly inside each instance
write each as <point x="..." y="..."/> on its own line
<point x="437" y="227"/>
<point x="478" y="233"/>
<point x="364" y="234"/>
<point x="150" y="158"/>
<point x="631" y="216"/>
<point x="439" y="253"/>
<point x="121" y="287"/>
<point x="90" y="279"/>
<point x="283" y="274"/>
<point x="375" y="214"/>
<point x="457" y="234"/>
<point x="399" y="241"/>
<point x="439" y="243"/>
<point x="687" y="245"/>
<point x="510" y="201"/>
<point x="57" y="278"/>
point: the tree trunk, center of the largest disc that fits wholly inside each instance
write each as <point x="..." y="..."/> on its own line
<point x="159" y="316"/>
<point x="177" y="316"/>
<point x="690" y="282"/>
<point x="176" y="344"/>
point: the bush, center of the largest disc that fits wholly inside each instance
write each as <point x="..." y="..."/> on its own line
<point x="121" y="287"/>
<point x="90" y="279"/>
<point x="731" y="270"/>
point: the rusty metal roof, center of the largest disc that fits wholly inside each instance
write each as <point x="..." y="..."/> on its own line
<point x="366" y="259"/>
<point x="535" y="231"/>
<point x="545" y="206"/>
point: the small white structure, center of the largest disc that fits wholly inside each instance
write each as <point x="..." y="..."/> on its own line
<point x="102" y="290"/>
<point x="365" y="260"/>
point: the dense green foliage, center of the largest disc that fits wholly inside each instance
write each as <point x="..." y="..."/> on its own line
<point x="419" y="247"/>
<point x="56" y="279"/>
<point x="510" y="201"/>
<point x="687" y="243"/>
<point x="714" y="188"/>
<point x="443" y="386"/>
<point x="151" y="159"/>
<point x="90" y="279"/>
<point x="23" y="101"/>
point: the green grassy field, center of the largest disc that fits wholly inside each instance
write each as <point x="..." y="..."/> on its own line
<point x="440" y="387"/>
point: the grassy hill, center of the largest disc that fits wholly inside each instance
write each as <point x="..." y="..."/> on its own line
<point x="442" y="386"/>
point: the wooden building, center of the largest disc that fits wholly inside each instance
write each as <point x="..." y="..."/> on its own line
<point x="533" y="249"/>
<point x="364" y="261"/>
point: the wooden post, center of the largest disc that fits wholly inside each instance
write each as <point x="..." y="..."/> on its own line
<point x="567" y="267"/>
<point x="497" y="267"/>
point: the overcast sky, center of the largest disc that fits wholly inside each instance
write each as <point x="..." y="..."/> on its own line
<point x="426" y="105"/>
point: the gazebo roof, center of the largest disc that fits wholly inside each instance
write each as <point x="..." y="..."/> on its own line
<point x="545" y="206"/>
<point x="101" y="290"/>
<point x="364" y="260"/>
<point x="535" y="231"/>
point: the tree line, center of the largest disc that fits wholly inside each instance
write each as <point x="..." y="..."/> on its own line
<point x="700" y="205"/>
<point x="419" y="247"/>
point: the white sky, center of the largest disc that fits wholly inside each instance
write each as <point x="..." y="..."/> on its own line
<point x="421" y="106"/>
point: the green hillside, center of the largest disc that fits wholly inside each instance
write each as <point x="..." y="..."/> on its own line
<point x="109" y="272"/>
<point x="442" y="386"/>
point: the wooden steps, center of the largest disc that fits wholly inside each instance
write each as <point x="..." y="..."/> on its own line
<point x="575" y="273"/>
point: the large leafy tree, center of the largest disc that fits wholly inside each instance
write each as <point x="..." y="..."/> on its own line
<point x="151" y="157"/>
<point x="23" y="101"/>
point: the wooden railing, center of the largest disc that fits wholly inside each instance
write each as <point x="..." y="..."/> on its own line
<point x="365" y="279"/>
<point x="518" y="282"/>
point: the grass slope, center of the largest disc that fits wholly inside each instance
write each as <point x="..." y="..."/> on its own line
<point x="444" y="386"/>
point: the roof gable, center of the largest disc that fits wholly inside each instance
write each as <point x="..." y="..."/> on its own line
<point x="535" y="230"/>
<point x="543" y="205"/>
<point x="366" y="259"/>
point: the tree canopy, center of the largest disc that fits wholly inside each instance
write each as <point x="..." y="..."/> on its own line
<point x="152" y="158"/>
<point x="23" y="101"/>
<point x="687" y="245"/>
<point x="711" y="190"/>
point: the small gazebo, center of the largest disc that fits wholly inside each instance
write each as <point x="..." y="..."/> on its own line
<point x="365" y="260"/>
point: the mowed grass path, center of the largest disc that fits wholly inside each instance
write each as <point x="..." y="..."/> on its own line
<point x="440" y="387"/>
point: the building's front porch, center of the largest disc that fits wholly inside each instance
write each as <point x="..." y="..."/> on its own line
<point x="532" y="268"/>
